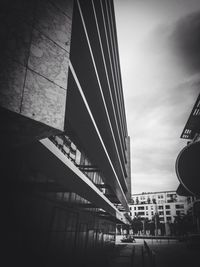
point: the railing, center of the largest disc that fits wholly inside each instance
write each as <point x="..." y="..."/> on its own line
<point x="158" y="238"/>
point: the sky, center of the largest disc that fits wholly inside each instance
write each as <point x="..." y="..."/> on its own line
<point x="159" y="48"/>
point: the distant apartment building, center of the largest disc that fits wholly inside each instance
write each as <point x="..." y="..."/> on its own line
<point x="167" y="205"/>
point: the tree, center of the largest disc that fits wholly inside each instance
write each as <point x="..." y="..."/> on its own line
<point x="156" y="220"/>
<point x="145" y="225"/>
<point x="137" y="225"/>
<point x="183" y="224"/>
<point x="152" y="227"/>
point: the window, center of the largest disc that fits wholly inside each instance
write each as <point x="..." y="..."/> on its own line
<point x="134" y="208"/>
<point x="140" y="213"/>
<point x="66" y="196"/>
<point x="168" y="212"/>
<point x="181" y="206"/>
<point x="130" y="208"/>
<point x="169" y="218"/>
<point x="167" y="207"/>
<point x="140" y="208"/>
<point x="146" y="207"/>
<point x="160" y="207"/>
<point x="161" y="213"/>
<point x="171" y="198"/>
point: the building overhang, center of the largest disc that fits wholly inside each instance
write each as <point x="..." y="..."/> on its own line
<point x="46" y="158"/>
<point x="81" y="126"/>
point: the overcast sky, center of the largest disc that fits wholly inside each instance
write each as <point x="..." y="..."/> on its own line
<point x="159" y="47"/>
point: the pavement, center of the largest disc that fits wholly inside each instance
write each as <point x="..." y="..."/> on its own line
<point x="122" y="257"/>
<point x="127" y="254"/>
<point x="168" y="253"/>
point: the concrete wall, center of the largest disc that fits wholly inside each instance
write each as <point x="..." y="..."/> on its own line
<point x="35" y="46"/>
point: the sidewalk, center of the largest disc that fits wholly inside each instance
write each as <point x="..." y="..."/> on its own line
<point x="173" y="254"/>
<point x="127" y="255"/>
<point x="123" y="256"/>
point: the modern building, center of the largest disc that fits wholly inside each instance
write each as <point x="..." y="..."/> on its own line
<point x="187" y="163"/>
<point x="65" y="149"/>
<point x="167" y="204"/>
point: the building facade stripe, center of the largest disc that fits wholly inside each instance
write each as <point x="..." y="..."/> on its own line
<point x="97" y="131"/>
<point x="113" y="78"/>
<point x="99" y="83"/>
<point x="123" y="154"/>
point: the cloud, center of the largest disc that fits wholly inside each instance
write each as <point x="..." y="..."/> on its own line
<point x="154" y="182"/>
<point x="156" y="135"/>
<point x="186" y="38"/>
<point x="161" y="83"/>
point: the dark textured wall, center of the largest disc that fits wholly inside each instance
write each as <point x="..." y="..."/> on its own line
<point x="42" y="230"/>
